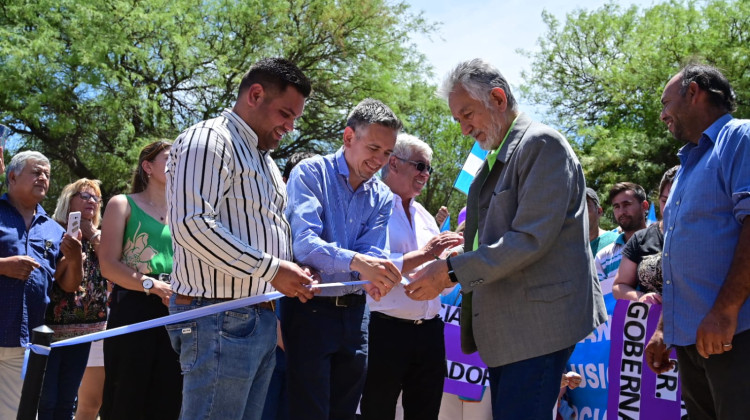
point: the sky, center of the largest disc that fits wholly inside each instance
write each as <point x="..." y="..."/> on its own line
<point x="493" y="30"/>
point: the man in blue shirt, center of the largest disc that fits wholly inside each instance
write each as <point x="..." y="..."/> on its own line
<point x="706" y="256"/>
<point x="33" y="253"/>
<point x="339" y="216"/>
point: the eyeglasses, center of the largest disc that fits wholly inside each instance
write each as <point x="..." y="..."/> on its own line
<point x="421" y="166"/>
<point x="86" y="197"/>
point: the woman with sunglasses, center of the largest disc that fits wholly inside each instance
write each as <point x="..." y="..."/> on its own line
<point x="142" y="371"/>
<point x="78" y="313"/>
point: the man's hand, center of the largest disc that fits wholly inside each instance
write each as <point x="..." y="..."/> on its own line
<point x="18" y="267"/>
<point x="429" y="281"/>
<point x="715" y="332"/>
<point x="657" y="353"/>
<point x="381" y="273"/>
<point x="292" y="281"/>
<point x="571" y="379"/>
<point x="372" y="291"/>
<point x="71" y="247"/>
<point x="439" y="243"/>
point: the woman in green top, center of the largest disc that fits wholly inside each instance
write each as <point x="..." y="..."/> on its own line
<point x="142" y="371"/>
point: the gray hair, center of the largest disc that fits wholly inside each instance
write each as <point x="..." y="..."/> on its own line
<point x="19" y="161"/>
<point x="478" y="77"/>
<point x="406" y="146"/>
<point x="372" y="111"/>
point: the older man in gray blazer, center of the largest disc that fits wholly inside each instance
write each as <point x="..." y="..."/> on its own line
<point x="528" y="278"/>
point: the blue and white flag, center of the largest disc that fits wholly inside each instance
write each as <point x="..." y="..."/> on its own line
<point x="651" y="215"/>
<point x="470" y="169"/>
<point x="446" y="224"/>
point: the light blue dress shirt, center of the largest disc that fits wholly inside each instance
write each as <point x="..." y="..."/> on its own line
<point x="710" y="197"/>
<point x="331" y="222"/>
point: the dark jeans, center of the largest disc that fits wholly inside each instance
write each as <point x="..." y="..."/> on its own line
<point x="326" y="350"/>
<point x="62" y="378"/>
<point x="717" y="387"/>
<point x="142" y="371"/>
<point x="277" y="401"/>
<point x="408" y="357"/>
<point x="528" y="389"/>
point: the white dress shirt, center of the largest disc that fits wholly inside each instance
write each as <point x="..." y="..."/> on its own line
<point x="405" y="237"/>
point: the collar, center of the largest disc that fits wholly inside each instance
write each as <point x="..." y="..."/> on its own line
<point x="621" y="239"/>
<point x="492" y="156"/>
<point x="513" y="137"/>
<point x="712" y="132"/>
<point x="398" y="201"/>
<point x="245" y="132"/>
<point x="39" y="209"/>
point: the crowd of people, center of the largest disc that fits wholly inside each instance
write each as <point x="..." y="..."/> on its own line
<point x="210" y="219"/>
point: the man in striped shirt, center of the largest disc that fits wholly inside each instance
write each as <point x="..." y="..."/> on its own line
<point x="226" y="202"/>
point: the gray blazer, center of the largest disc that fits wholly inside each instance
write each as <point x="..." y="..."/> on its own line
<point x="530" y="287"/>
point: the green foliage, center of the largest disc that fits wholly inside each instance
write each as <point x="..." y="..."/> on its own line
<point x="602" y="72"/>
<point x="88" y="82"/>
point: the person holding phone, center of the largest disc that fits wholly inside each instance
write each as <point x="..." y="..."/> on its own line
<point x="34" y="253"/>
<point x="71" y="314"/>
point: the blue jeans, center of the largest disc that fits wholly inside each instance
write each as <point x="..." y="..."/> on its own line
<point x="227" y="360"/>
<point x="65" y="367"/>
<point x="528" y="389"/>
<point x="326" y="353"/>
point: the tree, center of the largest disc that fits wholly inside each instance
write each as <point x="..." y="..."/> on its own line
<point x="89" y="82"/>
<point x="601" y="75"/>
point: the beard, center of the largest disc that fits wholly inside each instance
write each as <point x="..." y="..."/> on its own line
<point x="631" y="224"/>
<point x="494" y="134"/>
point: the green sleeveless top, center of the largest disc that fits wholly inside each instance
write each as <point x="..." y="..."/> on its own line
<point x="147" y="243"/>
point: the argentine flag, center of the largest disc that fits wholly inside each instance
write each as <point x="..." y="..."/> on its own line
<point x="470" y="169"/>
<point x="651" y="218"/>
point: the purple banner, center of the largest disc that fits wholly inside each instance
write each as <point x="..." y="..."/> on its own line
<point x="635" y="392"/>
<point x="466" y="374"/>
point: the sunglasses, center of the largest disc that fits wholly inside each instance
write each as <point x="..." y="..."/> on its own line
<point x="421" y="166"/>
<point x="86" y="197"/>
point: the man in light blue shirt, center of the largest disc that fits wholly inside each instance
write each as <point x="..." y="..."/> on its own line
<point x="339" y="215"/>
<point x="706" y="256"/>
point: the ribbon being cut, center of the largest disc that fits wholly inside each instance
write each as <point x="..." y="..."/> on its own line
<point x="170" y="319"/>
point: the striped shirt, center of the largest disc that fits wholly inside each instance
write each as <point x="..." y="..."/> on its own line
<point x="226" y="202"/>
<point x="607" y="262"/>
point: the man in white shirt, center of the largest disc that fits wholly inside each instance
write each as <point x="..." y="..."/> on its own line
<point x="407" y="349"/>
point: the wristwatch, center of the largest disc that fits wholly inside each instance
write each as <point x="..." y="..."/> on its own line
<point x="147" y="283"/>
<point x="451" y="273"/>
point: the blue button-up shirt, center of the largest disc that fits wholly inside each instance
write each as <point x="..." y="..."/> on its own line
<point x="710" y="197"/>
<point x="22" y="303"/>
<point x="331" y="222"/>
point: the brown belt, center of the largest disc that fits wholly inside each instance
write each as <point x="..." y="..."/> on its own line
<point x="187" y="300"/>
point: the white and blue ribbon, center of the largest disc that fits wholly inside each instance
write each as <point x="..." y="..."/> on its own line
<point x="169" y="319"/>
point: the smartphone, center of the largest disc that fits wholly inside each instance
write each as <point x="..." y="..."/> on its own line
<point x="74" y="223"/>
